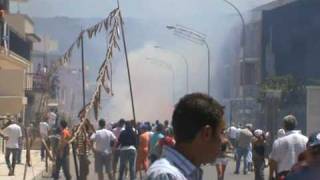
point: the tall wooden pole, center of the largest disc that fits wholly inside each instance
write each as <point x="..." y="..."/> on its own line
<point x="128" y="66"/>
<point x="83" y="75"/>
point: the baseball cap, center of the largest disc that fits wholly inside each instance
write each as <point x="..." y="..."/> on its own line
<point x="314" y="140"/>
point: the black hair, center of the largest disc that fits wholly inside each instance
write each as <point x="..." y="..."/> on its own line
<point x="159" y="128"/>
<point x="102" y="123"/>
<point x="121" y="122"/>
<point x="63" y="124"/>
<point x="166" y="122"/>
<point x="193" y="112"/>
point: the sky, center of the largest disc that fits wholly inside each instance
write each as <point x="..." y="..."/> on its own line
<point x="133" y="8"/>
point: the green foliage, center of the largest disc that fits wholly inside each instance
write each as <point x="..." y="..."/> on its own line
<point x="292" y="91"/>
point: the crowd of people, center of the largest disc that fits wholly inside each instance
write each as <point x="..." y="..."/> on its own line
<point x="119" y="149"/>
<point x="287" y="153"/>
<point x="196" y="136"/>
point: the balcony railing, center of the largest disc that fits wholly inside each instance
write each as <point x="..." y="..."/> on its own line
<point x="14" y="41"/>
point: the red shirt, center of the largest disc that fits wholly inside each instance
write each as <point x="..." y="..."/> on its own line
<point x="167" y="141"/>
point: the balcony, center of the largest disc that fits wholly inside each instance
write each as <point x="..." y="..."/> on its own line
<point x="15" y="42"/>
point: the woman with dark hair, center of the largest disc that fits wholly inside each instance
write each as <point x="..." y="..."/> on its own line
<point x="128" y="151"/>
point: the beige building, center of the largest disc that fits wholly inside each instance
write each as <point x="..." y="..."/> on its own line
<point x="16" y="68"/>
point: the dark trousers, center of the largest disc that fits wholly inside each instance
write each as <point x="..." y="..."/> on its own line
<point x="62" y="162"/>
<point x="258" y="163"/>
<point x="13" y="152"/>
<point x="19" y="153"/>
<point x="42" y="151"/>
<point x="128" y="156"/>
<point x="83" y="166"/>
<point x="242" y="152"/>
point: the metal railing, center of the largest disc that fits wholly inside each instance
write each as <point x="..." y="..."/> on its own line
<point x="14" y="41"/>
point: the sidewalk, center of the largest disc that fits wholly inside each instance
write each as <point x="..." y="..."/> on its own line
<point x="33" y="172"/>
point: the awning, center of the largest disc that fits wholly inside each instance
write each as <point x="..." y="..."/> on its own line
<point x="12" y="104"/>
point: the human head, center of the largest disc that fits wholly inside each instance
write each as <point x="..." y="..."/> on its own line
<point x="258" y="133"/>
<point x="249" y="126"/>
<point x="63" y="124"/>
<point x="159" y="128"/>
<point x="128" y="125"/>
<point x="313" y="146"/>
<point x="157" y="122"/>
<point x="289" y="122"/>
<point x="20" y="120"/>
<point x="102" y="123"/>
<point x="121" y="122"/>
<point x="281" y="133"/>
<point x="144" y="128"/>
<point x="198" y="121"/>
<point x="166" y="123"/>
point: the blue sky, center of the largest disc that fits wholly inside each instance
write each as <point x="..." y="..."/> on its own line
<point x="133" y="8"/>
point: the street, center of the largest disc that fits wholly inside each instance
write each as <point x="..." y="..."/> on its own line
<point x="209" y="172"/>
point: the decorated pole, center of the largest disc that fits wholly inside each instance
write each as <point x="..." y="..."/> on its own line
<point x="83" y="75"/>
<point x="127" y="62"/>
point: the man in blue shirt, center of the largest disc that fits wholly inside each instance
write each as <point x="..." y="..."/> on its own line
<point x="197" y="123"/>
<point x="154" y="148"/>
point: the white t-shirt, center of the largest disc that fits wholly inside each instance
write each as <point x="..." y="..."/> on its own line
<point x="14" y="132"/>
<point x="52" y="118"/>
<point x="44" y="128"/>
<point x="117" y="131"/>
<point x="285" y="150"/>
<point x="103" y="138"/>
<point x="233" y="132"/>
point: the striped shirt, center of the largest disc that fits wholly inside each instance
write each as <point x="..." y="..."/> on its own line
<point x="173" y="166"/>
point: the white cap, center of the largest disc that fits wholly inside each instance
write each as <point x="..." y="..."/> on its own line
<point x="258" y="132"/>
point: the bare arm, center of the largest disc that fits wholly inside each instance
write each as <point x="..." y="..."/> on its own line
<point x="272" y="168"/>
<point x="3" y="135"/>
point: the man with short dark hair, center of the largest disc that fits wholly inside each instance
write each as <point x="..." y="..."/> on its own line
<point x="154" y="148"/>
<point x="104" y="140"/>
<point x="285" y="150"/>
<point x="198" y="124"/>
<point x="13" y="135"/>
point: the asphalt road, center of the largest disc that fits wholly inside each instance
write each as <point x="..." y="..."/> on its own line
<point x="209" y="172"/>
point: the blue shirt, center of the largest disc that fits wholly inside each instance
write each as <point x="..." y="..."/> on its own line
<point x="311" y="172"/>
<point x="173" y="166"/>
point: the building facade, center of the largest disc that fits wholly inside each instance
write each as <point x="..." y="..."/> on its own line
<point x="17" y="38"/>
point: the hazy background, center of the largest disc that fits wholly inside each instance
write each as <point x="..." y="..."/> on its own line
<point x="145" y="22"/>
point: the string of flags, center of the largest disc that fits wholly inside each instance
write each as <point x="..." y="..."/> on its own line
<point x="114" y="21"/>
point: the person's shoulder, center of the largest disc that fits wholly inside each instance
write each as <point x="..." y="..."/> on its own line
<point x="306" y="172"/>
<point x="297" y="135"/>
<point x="15" y="126"/>
<point x="302" y="137"/>
<point x="109" y="132"/>
<point x="162" y="169"/>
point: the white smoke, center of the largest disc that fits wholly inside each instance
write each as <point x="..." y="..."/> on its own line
<point x="152" y="83"/>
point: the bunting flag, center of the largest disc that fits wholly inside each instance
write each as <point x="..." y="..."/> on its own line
<point x="90" y="32"/>
<point x="113" y="21"/>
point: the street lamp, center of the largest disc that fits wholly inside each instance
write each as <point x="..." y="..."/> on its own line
<point x="243" y="41"/>
<point x="167" y="66"/>
<point x="195" y="37"/>
<point x="185" y="62"/>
